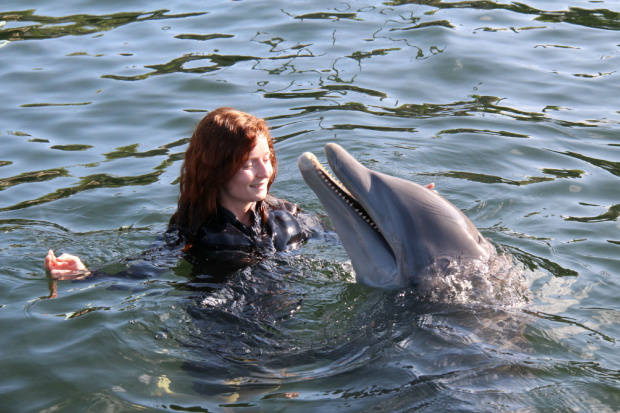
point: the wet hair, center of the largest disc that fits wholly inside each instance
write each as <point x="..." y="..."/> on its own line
<point x="219" y="147"/>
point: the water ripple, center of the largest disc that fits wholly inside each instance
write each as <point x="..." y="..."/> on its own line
<point x="508" y="107"/>
<point x="48" y="27"/>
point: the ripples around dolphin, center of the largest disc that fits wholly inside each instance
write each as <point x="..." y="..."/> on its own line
<point x="277" y="329"/>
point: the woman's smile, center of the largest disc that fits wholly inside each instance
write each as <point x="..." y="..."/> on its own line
<point x="261" y="185"/>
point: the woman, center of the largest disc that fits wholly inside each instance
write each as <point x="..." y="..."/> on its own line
<point x="224" y="204"/>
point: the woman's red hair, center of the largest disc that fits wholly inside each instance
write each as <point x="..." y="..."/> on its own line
<point x="220" y="145"/>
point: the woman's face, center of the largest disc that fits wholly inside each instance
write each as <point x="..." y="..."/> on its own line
<point x="249" y="184"/>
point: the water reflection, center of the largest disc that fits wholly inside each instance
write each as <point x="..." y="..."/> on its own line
<point x="567" y="320"/>
<point x="612" y="214"/>
<point x="72" y="148"/>
<point x="34" y="176"/>
<point x="609" y="166"/>
<point x="218" y="61"/>
<point x="478" y="105"/>
<point x="88" y="182"/>
<point x="489" y="179"/>
<point x="534" y="262"/>
<point x="203" y="37"/>
<point x="595" y="18"/>
<point x="103" y="180"/>
<point x="47" y="27"/>
<point x="328" y="16"/>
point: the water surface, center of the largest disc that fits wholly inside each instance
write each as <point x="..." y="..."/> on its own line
<point x="510" y="108"/>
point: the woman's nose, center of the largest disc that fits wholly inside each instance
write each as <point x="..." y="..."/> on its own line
<point x="264" y="169"/>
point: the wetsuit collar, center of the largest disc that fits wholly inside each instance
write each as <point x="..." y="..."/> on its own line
<point x="255" y="218"/>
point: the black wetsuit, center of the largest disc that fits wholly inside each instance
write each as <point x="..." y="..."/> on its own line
<point x="225" y="244"/>
<point x="281" y="230"/>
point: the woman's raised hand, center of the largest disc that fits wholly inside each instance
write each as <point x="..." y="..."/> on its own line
<point x="65" y="267"/>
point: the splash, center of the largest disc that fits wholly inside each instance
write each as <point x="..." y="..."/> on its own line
<point x="498" y="281"/>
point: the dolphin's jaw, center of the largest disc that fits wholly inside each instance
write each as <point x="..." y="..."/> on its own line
<point x="339" y="189"/>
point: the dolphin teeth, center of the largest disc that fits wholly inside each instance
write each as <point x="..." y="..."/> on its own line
<point x="344" y="194"/>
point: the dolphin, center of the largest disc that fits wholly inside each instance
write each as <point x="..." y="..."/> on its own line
<point x="395" y="232"/>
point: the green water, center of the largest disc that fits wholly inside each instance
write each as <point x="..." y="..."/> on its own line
<point x="512" y="109"/>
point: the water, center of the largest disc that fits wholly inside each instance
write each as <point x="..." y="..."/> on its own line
<point x="511" y="109"/>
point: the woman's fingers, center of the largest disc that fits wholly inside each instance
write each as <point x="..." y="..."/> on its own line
<point x="431" y="186"/>
<point x="50" y="260"/>
<point x="56" y="273"/>
<point x="69" y="274"/>
<point x="71" y="261"/>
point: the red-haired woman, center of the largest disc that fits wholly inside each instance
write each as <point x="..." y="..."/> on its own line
<point x="228" y="169"/>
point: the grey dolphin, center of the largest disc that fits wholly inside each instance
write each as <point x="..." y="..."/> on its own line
<point x="393" y="230"/>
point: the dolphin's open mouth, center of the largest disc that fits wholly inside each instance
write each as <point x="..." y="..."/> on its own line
<point x="342" y="192"/>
